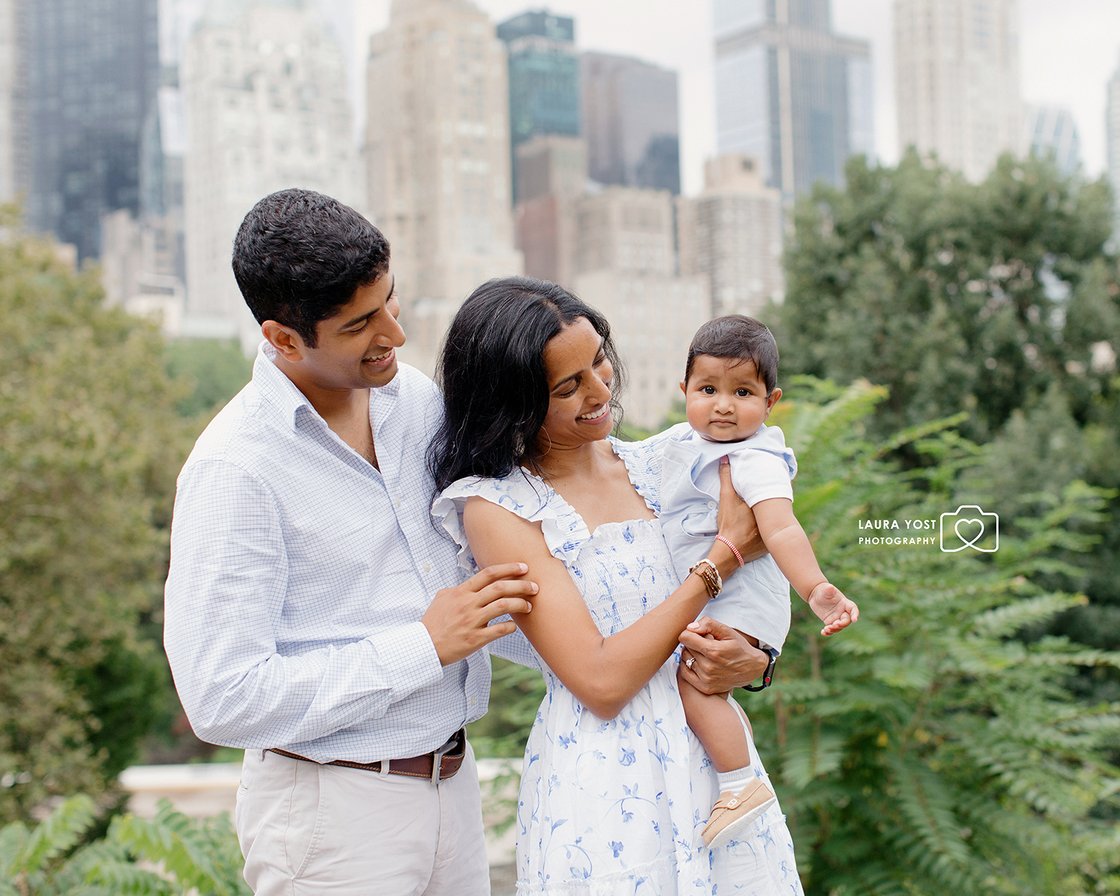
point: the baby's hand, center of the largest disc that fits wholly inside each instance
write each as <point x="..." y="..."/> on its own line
<point x="832" y="608"/>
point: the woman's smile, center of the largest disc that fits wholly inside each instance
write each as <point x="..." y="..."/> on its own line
<point x="595" y="416"/>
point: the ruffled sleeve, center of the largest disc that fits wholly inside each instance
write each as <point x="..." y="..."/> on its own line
<point x="643" y="462"/>
<point x="522" y="493"/>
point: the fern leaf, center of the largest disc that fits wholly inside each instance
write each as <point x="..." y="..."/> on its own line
<point x="1010" y="618"/>
<point x="58" y="832"/>
<point x="13" y="844"/>
<point x="129" y="879"/>
<point x="813" y="758"/>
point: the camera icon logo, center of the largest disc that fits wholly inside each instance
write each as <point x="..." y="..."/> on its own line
<point x="970" y="526"/>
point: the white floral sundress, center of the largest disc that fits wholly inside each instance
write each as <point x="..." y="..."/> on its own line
<point x="615" y="808"/>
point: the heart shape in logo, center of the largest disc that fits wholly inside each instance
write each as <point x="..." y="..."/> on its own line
<point x="969" y="531"/>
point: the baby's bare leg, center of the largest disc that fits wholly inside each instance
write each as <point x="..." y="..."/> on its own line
<point x="718" y="726"/>
<point x="721" y="726"/>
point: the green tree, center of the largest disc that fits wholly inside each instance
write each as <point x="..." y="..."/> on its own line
<point x="956" y="296"/>
<point x="87" y="464"/>
<point x="929" y="749"/>
<point x="214" y="369"/>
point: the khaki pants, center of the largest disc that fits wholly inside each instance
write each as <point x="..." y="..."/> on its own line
<point x="321" y="829"/>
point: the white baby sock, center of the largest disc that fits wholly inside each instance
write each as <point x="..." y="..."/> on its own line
<point x="734" y="780"/>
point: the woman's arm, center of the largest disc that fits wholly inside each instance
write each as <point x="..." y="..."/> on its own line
<point x="603" y="673"/>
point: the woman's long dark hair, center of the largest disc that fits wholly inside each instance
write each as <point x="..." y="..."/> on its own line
<point x="491" y="369"/>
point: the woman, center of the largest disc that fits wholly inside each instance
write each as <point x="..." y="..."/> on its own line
<point x="614" y="788"/>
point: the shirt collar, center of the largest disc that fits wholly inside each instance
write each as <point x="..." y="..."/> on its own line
<point x="277" y="389"/>
<point x="275" y="386"/>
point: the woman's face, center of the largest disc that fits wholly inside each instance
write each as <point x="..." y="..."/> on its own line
<point x="579" y="388"/>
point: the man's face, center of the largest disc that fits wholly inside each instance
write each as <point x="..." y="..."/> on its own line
<point x="356" y="347"/>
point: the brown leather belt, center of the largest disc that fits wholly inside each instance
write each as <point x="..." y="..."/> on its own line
<point x="439" y="765"/>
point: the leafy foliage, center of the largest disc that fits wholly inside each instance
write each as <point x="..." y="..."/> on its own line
<point x="214" y="369"/>
<point x="999" y="301"/>
<point x="166" y="855"/>
<point x="929" y="749"/>
<point x="956" y="296"/>
<point x="87" y="464"/>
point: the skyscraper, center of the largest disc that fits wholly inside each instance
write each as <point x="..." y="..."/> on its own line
<point x="1050" y="131"/>
<point x="623" y="264"/>
<point x="1112" y="145"/>
<point x="630" y="122"/>
<point x="437" y="157"/>
<point x="732" y="234"/>
<point x="957" y="80"/>
<point x="789" y="91"/>
<point x="266" y="108"/>
<point x="13" y="122"/>
<point x="544" y="96"/>
<point x="91" y="72"/>
<point x="552" y="175"/>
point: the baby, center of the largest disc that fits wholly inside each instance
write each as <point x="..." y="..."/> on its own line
<point x="730" y="387"/>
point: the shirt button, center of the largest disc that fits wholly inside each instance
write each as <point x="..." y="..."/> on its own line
<point x="473" y="701"/>
<point x="712" y="505"/>
<point x="427" y="567"/>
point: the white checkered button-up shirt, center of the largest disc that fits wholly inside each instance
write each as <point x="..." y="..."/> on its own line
<point x="299" y="574"/>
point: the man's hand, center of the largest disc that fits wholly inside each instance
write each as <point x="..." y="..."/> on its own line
<point x="832" y="608"/>
<point x="458" y="619"/>
<point x="721" y="657"/>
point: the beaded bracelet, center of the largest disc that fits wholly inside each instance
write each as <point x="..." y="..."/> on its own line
<point x="709" y="575"/>
<point x="734" y="550"/>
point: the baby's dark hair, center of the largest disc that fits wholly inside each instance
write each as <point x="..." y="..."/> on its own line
<point x="737" y="336"/>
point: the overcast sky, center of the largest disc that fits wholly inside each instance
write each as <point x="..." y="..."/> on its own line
<point x="1068" y="48"/>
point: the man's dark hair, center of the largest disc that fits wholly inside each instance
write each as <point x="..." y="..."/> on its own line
<point x="737" y="336"/>
<point x="495" y="387"/>
<point x="299" y="256"/>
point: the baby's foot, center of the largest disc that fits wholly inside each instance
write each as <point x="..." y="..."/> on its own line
<point x="734" y="811"/>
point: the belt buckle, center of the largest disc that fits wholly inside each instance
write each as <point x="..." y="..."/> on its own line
<point x="437" y="756"/>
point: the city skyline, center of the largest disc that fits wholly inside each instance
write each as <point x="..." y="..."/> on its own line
<point x="437" y="148"/>
<point x="1068" y="53"/>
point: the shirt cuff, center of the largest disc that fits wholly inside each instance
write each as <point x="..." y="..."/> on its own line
<point x="408" y="657"/>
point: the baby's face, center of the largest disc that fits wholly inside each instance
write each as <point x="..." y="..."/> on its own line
<point x="725" y="399"/>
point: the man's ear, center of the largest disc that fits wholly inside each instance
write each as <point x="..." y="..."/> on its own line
<point x="684" y="387"/>
<point x="772" y="399"/>
<point x="287" y="342"/>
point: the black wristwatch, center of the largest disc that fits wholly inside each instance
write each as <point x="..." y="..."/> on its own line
<point x="768" y="675"/>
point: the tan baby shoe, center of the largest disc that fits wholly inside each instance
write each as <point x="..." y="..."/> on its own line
<point x="734" y="811"/>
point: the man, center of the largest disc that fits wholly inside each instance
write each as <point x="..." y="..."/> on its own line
<point x="314" y="616"/>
